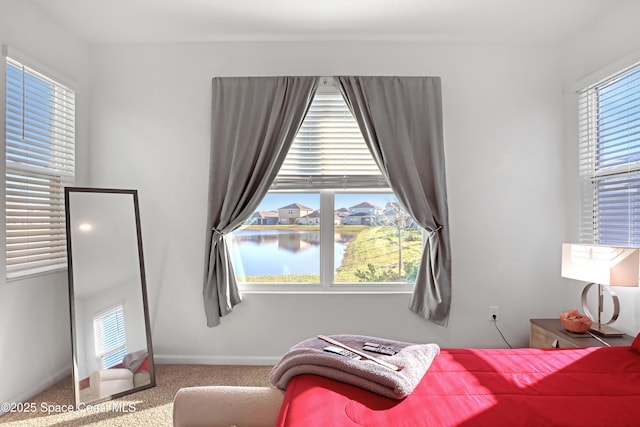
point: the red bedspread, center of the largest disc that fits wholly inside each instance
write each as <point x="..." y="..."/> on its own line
<point x="481" y="387"/>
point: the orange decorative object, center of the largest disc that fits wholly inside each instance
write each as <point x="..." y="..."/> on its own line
<point x="573" y="321"/>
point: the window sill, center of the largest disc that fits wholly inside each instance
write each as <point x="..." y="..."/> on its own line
<point x="28" y="274"/>
<point x="310" y="289"/>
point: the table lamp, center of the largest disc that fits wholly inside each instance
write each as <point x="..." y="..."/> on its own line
<point x="604" y="266"/>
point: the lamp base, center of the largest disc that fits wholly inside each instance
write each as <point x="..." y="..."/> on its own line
<point x="598" y="327"/>
<point x="605" y="331"/>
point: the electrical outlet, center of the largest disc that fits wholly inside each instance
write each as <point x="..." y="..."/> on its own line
<point x="493" y="312"/>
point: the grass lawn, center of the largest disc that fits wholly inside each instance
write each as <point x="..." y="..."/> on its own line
<point x="379" y="246"/>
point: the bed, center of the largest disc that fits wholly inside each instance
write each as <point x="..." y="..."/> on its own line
<point x="485" y="387"/>
<point x="586" y="387"/>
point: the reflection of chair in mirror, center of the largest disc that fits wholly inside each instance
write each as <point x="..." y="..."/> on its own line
<point x="133" y="372"/>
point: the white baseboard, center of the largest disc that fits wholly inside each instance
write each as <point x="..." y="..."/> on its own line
<point x="181" y="359"/>
<point x="39" y="388"/>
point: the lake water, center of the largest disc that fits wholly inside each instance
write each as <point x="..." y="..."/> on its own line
<point x="282" y="252"/>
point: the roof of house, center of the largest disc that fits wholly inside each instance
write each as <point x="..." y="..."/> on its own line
<point x="364" y="205"/>
<point x="314" y="214"/>
<point x="266" y="214"/>
<point x="296" y="206"/>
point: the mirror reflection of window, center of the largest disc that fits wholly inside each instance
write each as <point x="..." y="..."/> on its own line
<point x="110" y="337"/>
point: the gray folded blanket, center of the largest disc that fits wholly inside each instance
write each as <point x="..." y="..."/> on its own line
<point x="308" y="357"/>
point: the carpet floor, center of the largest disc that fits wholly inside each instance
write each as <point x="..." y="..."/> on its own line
<point x="151" y="407"/>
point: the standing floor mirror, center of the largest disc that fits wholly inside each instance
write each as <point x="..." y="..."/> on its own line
<point x="110" y="333"/>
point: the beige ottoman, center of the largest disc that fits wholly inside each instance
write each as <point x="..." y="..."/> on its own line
<point x="225" y="406"/>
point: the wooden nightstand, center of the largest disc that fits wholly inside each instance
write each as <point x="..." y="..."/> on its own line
<point x="549" y="333"/>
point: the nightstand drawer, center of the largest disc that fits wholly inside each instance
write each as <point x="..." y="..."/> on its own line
<point x="541" y="338"/>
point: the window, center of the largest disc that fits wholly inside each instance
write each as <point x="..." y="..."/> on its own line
<point x="330" y="218"/>
<point x="40" y="155"/>
<point x="110" y="337"/>
<point x="609" y="135"/>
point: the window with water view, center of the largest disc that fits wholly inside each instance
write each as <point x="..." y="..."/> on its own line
<point x="374" y="240"/>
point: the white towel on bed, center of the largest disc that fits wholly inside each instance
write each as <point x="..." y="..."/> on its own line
<point x="308" y="357"/>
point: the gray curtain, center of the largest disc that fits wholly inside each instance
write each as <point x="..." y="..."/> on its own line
<point x="253" y="123"/>
<point x="401" y="120"/>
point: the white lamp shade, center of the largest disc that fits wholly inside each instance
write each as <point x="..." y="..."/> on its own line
<point x="605" y="265"/>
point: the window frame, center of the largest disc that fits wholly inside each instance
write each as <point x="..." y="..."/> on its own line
<point x="590" y="174"/>
<point x="58" y="178"/>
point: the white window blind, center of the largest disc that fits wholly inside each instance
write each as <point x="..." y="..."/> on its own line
<point x="609" y="139"/>
<point x="329" y="151"/>
<point x="110" y="337"/>
<point x="40" y="161"/>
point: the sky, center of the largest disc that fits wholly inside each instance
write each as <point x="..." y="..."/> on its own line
<point x="274" y="201"/>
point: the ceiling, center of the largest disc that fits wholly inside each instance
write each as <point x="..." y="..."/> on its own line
<point x="153" y="21"/>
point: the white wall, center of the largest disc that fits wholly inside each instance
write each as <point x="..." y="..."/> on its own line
<point x="34" y="313"/>
<point x="503" y="112"/>
<point x="614" y="39"/>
